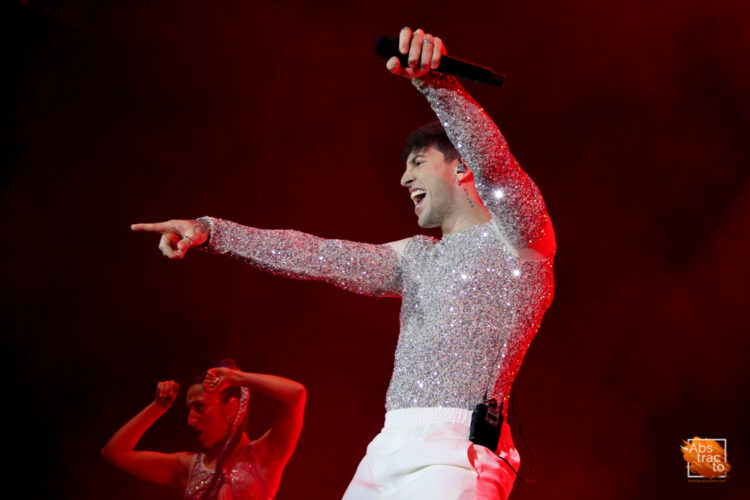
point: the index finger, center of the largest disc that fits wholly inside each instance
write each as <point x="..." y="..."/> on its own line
<point x="153" y="227"/>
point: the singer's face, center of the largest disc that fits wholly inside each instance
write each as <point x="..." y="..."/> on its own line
<point x="207" y="416"/>
<point x="430" y="180"/>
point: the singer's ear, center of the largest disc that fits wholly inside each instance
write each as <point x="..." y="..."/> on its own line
<point x="463" y="172"/>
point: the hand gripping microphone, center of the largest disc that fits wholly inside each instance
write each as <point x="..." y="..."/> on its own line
<point x="387" y="47"/>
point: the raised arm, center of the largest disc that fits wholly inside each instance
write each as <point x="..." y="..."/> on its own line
<point x="276" y="446"/>
<point x="505" y="189"/>
<point x="167" y="469"/>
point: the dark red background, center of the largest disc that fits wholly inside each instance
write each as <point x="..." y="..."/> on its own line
<point x="632" y="117"/>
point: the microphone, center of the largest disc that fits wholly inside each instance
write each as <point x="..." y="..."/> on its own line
<point x="387" y="47"/>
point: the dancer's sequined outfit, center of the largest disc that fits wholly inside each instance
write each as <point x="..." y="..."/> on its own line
<point x="471" y="305"/>
<point x="243" y="478"/>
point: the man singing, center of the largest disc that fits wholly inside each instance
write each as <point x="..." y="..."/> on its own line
<point x="472" y="301"/>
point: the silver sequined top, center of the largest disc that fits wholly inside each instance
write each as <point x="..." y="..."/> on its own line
<point x="471" y="305"/>
<point x="243" y="478"/>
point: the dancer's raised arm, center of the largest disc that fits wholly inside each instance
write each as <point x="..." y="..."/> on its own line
<point x="276" y="446"/>
<point x="166" y="469"/>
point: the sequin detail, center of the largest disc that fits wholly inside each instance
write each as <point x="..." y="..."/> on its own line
<point x="470" y="309"/>
<point x="357" y="267"/>
<point x="243" y="478"/>
<point x="471" y="305"/>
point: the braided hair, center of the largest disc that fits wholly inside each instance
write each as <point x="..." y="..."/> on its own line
<point x="233" y="436"/>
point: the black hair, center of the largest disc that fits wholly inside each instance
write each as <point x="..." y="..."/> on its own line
<point x="431" y="134"/>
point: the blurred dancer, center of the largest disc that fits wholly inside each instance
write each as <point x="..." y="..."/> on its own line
<point x="472" y="301"/>
<point x="249" y="469"/>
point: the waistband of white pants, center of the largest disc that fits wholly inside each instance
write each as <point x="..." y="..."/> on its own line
<point x="405" y="417"/>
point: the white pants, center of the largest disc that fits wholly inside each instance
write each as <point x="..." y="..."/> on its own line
<point x="425" y="453"/>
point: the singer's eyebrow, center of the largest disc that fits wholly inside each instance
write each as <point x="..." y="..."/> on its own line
<point x="414" y="158"/>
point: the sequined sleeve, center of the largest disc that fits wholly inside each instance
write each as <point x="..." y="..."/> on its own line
<point x="508" y="193"/>
<point x="356" y="267"/>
